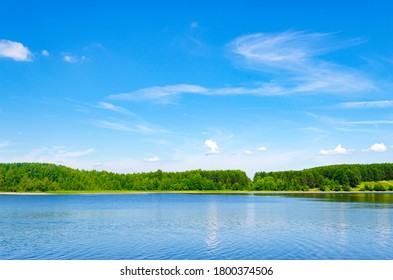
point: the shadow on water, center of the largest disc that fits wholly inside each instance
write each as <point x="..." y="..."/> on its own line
<point x="384" y="199"/>
<point x="356" y="197"/>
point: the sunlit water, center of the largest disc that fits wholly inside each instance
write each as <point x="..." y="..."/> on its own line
<point x="185" y="226"/>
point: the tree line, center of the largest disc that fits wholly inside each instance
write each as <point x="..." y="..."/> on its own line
<point x="334" y="178"/>
<point x="34" y="177"/>
<point x="42" y="177"/>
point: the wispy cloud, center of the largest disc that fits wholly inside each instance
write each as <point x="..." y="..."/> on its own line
<point x="4" y="144"/>
<point x="262" y="149"/>
<point x="56" y="153"/>
<point x="377" y="147"/>
<point x="131" y="122"/>
<point x="192" y="41"/>
<point x="111" y="107"/>
<point x="113" y="125"/>
<point x="342" y="122"/>
<point x="14" y="50"/>
<point x="71" y="58"/>
<point x="366" y="104"/>
<point x="126" y="126"/>
<point x="45" y="53"/>
<point x="171" y="93"/>
<point x="152" y="159"/>
<point x="372" y="122"/>
<point x="257" y="150"/>
<point x="317" y="131"/>
<point x="162" y="94"/>
<point x="294" y="59"/>
<point x="339" y="150"/>
<point x="74" y="153"/>
<point x="296" y="56"/>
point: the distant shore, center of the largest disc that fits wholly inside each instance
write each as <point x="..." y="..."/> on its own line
<point x="25" y="193"/>
<point x="186" y="192"/>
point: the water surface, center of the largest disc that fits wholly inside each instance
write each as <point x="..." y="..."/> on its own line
<point x="186" y="226"/>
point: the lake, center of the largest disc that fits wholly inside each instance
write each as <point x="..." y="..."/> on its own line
<point x="197" y="226"/>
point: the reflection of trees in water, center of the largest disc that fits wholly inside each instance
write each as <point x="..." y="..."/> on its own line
<point x="380" y="200"/>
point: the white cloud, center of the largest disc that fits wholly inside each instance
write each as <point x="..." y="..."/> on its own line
<point x="57" y="155"/>
<point x="45" y="53"/>
<point x="294" y="59"/>
<point x="262" y="149"/>
<point x="366" y="104"/>
<point x="374" y="122"/>
<point x="212" y="146"/>
<point x="377" y="147"/>
<point x="165" y="94"/>
<point x="339" y="150"/>
<point x="51" y="154"/>
<point x="171" y="93"/>
<point x="125" y="126"/>
<point x="112" y="125"/>
<point x="74" y="153"/>
<point x="70" y="58"/>
<point x="334" y="121"/>
<point x="60" y="152"/>
<point x="294" y="55"/>
<point x="148" y="129"/>
<point x="14" y="50"/>
<point x="111" y="107"/>
<point x="152" y="159"/>
<point x="252" y="152"/>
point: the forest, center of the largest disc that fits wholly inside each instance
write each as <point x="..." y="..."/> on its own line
<point x="344" y="177"/>
<point x="43" y="177"/>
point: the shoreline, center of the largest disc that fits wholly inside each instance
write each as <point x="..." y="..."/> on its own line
<point x="188" y="192"/>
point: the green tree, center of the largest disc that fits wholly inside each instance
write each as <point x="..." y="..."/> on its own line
<point x="353" y="178"/>
<point x="266" y="184"/>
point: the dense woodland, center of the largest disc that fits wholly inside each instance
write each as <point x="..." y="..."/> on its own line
<point x="333" y="178"/>
<point x="21" y="177"/>
<point x="40" y="177"/>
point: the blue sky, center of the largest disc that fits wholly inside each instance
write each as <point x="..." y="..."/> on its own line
<point x="180" y="85"/>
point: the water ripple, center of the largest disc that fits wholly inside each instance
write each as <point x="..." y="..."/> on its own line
<point x="195" y="227"/>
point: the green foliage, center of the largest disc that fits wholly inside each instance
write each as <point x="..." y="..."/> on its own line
<point x="379" y="187"/>
<point x="367" y="187"/>
<point x="324" y="178"/>
<point x="337" y="188"/>
<point x="323" y="188"/>
<point x="266" y="184"/>
<point x="33" y="177"/>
